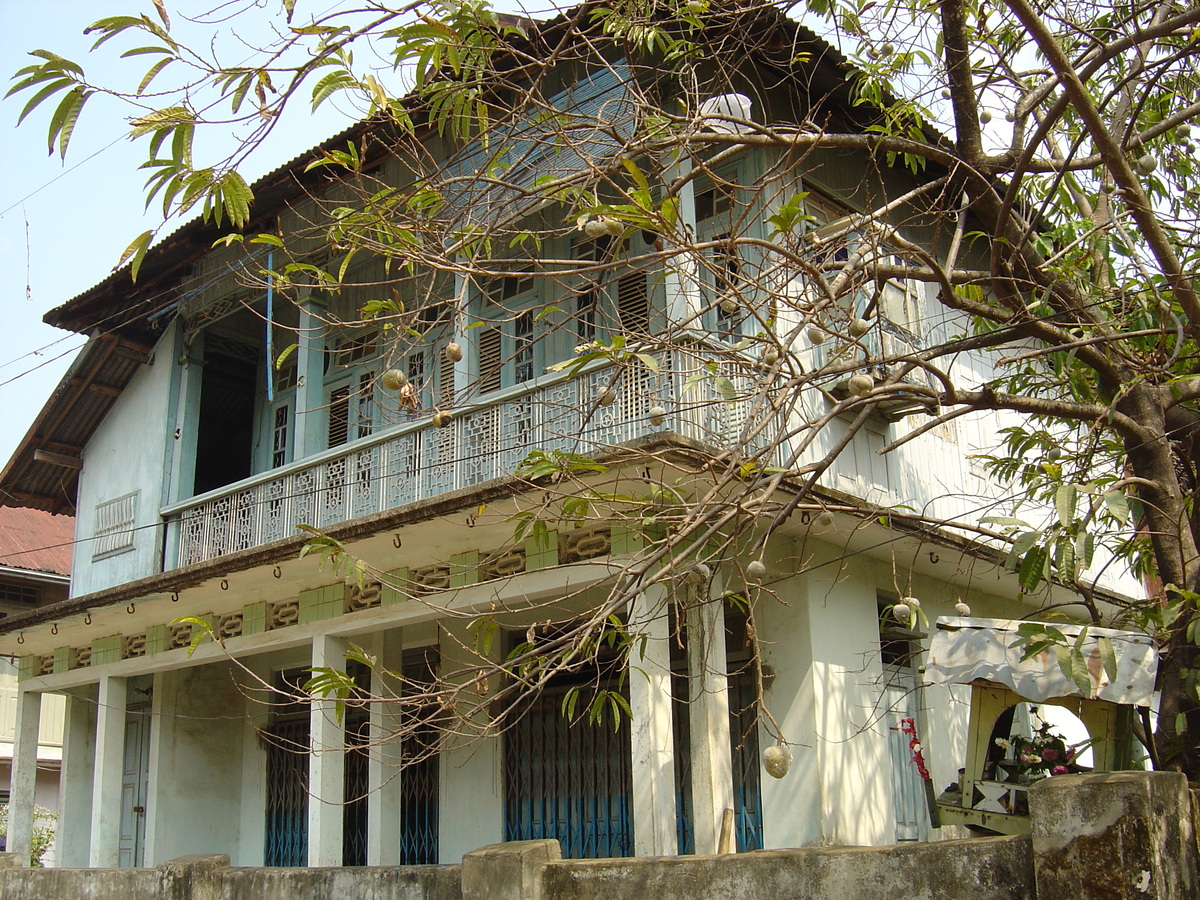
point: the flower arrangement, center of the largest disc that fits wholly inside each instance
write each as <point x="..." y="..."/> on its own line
<point x="909" y="727"/>
<point x="1042" y="755"/>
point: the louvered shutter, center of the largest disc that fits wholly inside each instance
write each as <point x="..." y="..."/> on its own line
<point x="633" y="304"/>
<point x="489" y="360"/>
<point x="446" y="379"/>
<point x="339" y="416"/>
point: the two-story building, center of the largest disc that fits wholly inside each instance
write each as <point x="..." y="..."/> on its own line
<point x="702" y="489"/>
<point x="35" y="571"/>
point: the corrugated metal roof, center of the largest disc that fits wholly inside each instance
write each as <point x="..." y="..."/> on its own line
<point x="36" y="540"/>
<point x="44" y="470"/>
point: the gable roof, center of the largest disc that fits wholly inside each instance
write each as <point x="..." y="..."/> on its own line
<point x="125" y="318"/>
<point x="35" y="540"/>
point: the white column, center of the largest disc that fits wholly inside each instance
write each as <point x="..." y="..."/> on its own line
<point x="326" y="764"/>
<point x="708" y="712"/>
<point x="110" y="765"/>
<point x="652" y="737"/>
<point x="471" y="765"/>
<point x="253" y="787"/>
<point x="311" y="435"/>
<point x="24" y="774"/>
<point x="75" y="781"/>
<point x="163" y="716"/>
<point x="680" y="278"/>
<point x="383" y="764"/>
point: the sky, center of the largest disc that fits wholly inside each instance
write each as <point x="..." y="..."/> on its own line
<point x="63" y="226"/>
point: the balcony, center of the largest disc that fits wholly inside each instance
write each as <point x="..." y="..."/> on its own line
<point x="415" y="462"/>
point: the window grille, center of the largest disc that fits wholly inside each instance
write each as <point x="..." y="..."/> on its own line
<point x="114" y="526"/>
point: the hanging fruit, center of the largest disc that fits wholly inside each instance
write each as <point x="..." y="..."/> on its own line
<point x="860" y="385"/>
<point x="394" y="379"/>
<point x="777" y="760"/>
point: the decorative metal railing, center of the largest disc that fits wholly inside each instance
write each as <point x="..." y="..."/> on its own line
<point x="485" y="441"/>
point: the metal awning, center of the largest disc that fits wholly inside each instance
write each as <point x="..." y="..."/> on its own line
<point x="968" y="650"/>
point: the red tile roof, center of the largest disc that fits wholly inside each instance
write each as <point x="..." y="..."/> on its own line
<point x="35" y="540"/>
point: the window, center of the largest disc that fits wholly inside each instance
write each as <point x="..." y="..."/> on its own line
<point x="280" y="435"/>
<point x="725" y="291"/>
<point x="114" y="526"/>
<point x="19" y="592"/>
<point x="509" y="350"/>
<point x="351" y="409"/>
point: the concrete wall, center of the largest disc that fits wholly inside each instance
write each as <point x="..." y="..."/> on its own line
<point x="123" y="456"/>
<point x="195" y="764"/>
<point x="985" y="869"/>
<point x="1107" y="836"/>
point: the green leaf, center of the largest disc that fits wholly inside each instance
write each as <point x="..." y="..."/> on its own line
<point x="650" y="362"/>
<point x="153" y="72"/>
<point x="1118" y="505"/>
<point x="1108" y="656"/>
<point x="1064" y="502"/>
<point x="135" y="253"/>
<point x="201" y="631"/>
<point x="570" y="698"/>
<point x="725" y="388"/>
<point x="1033" y="568"/>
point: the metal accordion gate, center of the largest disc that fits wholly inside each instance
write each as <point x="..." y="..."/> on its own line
<point x="570" y="782"/>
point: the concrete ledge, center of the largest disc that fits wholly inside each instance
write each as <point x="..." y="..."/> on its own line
<point x="357" y="883"/>
<point x="1114" y="835"/>
<point x="80" y="884"/>
<point x="511" y="871"/>
<point x="978" y="869"/>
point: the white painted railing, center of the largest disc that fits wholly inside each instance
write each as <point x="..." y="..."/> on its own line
<point x="485" y="441"/>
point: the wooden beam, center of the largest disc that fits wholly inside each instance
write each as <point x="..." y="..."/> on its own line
<point x="105" y="389"/>
<point x="58" y="459"/>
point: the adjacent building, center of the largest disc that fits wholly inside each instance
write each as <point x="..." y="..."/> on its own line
<point x="35" y="571"/>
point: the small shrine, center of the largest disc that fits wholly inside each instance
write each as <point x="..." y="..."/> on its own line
<point x="1118" y="669"/>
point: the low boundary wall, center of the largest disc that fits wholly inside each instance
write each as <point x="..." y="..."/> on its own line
<point x="1121" y="835"/>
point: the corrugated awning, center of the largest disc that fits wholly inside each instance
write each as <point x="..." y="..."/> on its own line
<point x="967" y="650"/>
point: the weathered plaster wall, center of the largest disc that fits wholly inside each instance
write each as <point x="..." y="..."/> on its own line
<point x="194" y="775"/>
<point x="988" y="869"/>
<point x="126" y="455"/>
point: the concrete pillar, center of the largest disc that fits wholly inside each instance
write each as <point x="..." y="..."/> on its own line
<point x="182" y="449"/>
<point x="311" y="434"/>
<point x="1114" y="835"/>
<point x="24" y="774"/>
<point x="511" y="871"/>
<point x="471" y="780"/>
<point x="680" y="277"/>
<point x="256" y="706"/>
<point x="159" y="783"/>
<point x="708" y="711"/>
<point x="651" y="731"/>
<point x="105" y="849"/>
<point x="326" y="763"/>
<point x="75" y="783"/>
<point x="383" y="765"/>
